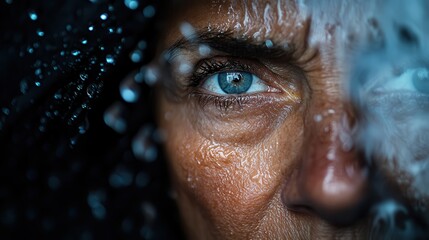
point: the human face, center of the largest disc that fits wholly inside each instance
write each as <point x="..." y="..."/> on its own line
<point x="269" y="161"/>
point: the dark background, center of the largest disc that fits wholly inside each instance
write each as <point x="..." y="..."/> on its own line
<point x="64" y="173"/>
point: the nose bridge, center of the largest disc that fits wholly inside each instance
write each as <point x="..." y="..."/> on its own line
<point x="331" y="178"/>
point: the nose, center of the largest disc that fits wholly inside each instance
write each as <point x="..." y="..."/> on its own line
<point x="331" y="178"/>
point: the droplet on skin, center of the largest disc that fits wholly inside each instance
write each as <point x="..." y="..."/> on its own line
<point x="187" y="30"/>
<point x="185" y="68"/>
<point x="269" y="43"/>
<point x="204" y="50"/>
<point x="318" y="118"/>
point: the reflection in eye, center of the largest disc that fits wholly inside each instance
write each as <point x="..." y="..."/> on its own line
<point x="234" y="82"/>
<point x="416" y="79"/>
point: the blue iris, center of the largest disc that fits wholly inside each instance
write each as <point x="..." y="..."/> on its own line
<point x="235" y="82"/>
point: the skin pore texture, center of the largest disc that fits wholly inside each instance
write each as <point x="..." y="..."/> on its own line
<point x="271" y="164"/>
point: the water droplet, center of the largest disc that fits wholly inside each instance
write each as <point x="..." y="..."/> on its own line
<point x="38" y="72"/>
<point x="269" y="43"/>
<point x="38" y="84"/>
<point x="83" y="76"/>
<point x="185" y="68"/>
<point x="149" y="211"/>
<point x="58" y="96"/>
<point x="150" y="75"/>
<point x="104" y="16"/>
<point x="142" y="45"/>
<point x="149" y="11"/>
<point x="110" y="59"/>
<point x="131" y="4"/>
<point x="75" y="52"/>
<point x="6" y="111"/>
<point x="40" y="33"/>
<point x="136" y="56"/>
<point x="84" y="126"/>
<point x="91" y="28"/>
<point x="119" y="30"/>
<point x="129" y="90"/>
<point x="142" y="147"/>
<point x="121" y="177"/>
<point x="30" y="50"/>
<point x="113" y="117"/>
<point x="84" y="41"/>
<point x="318" y="118"/>
<point x="139" y="77"/>
<point x="95" y="200"/>
<point x="54" y="183"/>
<point x="187" y="30"/>
<point x="204" y="50"/>
<point x="92" y="90"/>
<point x="23" y="86"/>
<point x="142" y="179"/>
<point x="33" y="15"/>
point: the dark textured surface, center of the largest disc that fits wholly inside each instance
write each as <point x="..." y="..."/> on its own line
<point x="64" y="174"/>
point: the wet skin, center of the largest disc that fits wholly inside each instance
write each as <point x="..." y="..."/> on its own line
<point x="270" y="164"/>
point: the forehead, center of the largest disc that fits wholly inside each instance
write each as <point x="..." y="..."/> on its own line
<point x="276" y="20"/>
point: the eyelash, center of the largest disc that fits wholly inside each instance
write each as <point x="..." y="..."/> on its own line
<point x="209" y="67"/>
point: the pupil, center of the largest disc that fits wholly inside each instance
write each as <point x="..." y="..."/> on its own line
<point x="237" y="78"/>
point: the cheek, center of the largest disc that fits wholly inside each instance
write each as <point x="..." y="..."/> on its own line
<point x="233" y="184"/>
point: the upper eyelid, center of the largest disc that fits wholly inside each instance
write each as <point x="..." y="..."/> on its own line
<point x="225" y="42"/>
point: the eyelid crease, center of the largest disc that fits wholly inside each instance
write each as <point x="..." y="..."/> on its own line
<point x="226" y="42"/>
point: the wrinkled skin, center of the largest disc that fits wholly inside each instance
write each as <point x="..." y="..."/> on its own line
<point x="277" y="165"/>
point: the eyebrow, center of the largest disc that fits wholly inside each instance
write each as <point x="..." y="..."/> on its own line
<point x="236" y="46"/>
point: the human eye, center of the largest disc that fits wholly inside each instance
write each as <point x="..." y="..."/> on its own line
<point x="412" y="80"/>
<point x="229" y="82"/>
<point x="234" y="82"/>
